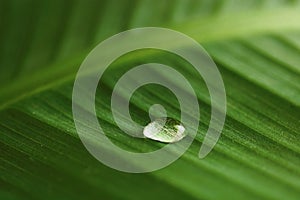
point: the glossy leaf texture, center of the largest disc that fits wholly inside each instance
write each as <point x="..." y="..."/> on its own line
<point x="256" y="46"/>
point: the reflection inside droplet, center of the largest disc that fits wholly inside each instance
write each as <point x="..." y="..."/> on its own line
<point x="166" y="130"/>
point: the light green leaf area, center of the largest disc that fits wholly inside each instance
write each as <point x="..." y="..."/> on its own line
<point x="256" y="46"/>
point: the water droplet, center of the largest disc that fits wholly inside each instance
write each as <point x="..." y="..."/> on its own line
<point x="166" y="130"/>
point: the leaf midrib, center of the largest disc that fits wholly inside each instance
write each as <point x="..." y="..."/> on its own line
<point x="206" y="30"/>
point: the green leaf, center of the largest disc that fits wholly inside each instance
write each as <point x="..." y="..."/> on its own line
<point x="256" y="46"/>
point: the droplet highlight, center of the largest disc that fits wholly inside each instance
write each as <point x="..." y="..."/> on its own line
<point x="167" y="130"/>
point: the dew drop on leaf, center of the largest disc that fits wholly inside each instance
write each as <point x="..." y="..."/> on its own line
<point x="166" y="130"/>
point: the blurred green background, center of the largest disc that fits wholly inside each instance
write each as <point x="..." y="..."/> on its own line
<point x="256" y="46"/>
